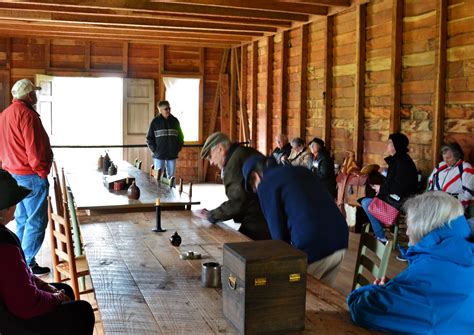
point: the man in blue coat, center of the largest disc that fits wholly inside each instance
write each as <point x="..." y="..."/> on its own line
<point x="435" y="294"/>
<point x="299" y="210"/>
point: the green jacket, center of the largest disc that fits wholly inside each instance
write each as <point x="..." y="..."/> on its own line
<point x="242" y="207"/>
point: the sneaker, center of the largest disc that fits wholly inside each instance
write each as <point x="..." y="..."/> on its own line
<point x="383" y="240"/>
<point x="39" y="270"/>
<point x="401" y="258"/>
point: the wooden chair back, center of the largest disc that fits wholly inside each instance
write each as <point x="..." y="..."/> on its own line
<point x="66" y="266"/>
<point x="137" y="164"/>
<point x="372" y="259"/>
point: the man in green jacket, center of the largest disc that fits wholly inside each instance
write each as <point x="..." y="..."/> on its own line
<point x="242" y="207"/>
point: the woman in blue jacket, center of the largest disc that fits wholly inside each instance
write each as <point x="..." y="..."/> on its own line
<point x="435" y="294"/>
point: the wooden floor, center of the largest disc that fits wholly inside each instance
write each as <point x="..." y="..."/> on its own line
<point x="210" y="197"/>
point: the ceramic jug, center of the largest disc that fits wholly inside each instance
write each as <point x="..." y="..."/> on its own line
<point x="175" y="239"/>
<point x="133" y="192"/>
<point x="112" y="169"/>
<point x="106" y="163"/>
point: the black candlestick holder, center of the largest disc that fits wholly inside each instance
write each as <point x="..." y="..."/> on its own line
<point x="158" y="228"/>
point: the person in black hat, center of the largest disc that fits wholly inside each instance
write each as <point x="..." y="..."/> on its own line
<point x="322" y="165"/>
<point x="27" y="303"/>
<point x="400" y="183"/>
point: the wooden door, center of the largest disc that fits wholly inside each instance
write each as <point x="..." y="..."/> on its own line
<point x="44" y="106"/>
<point x="138" y="111"/>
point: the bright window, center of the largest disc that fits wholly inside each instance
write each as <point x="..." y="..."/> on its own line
<point x="183" y="96"/>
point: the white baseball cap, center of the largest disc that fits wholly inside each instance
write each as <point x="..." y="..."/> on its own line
<point x="22" y="87"/>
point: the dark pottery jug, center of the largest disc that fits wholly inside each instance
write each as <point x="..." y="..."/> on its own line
<point x="133" y="192"/>
<point x="175" y="239"/>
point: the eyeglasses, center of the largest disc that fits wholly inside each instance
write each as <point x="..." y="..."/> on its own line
<point x="209" y="155"/>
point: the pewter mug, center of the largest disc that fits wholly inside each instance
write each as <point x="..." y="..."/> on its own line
<point x="211" y="274"/>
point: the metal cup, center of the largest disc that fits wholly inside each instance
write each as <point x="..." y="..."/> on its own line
<point x="211" y="274"/>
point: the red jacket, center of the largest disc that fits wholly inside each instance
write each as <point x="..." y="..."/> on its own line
<point x="24" y="144"/>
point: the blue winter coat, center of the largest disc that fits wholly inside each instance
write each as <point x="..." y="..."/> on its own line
<point x="434" y="295"/>
<point x="299" y="210"/>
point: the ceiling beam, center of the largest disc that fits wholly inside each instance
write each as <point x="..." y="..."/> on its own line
<point x="330" y="3"/>
<point x="270" y="5"/>
<point x="22" y="33"/>
<point x="64" y="9"/>
<point x="127" y="22"/>
<point x="174" y="8"/>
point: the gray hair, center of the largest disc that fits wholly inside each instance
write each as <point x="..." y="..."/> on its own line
<point x="297" y="142"/>
<point x="455" y="149"/>
<point x="429" y="211"/>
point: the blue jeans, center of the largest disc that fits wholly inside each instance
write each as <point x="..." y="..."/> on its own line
<point x="376" y="225"/>
<point x="170" y="166"/>
<point x="31" y="215"/>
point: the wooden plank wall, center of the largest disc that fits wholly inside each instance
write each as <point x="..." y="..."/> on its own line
<point x="396" y="96"/>
<point x="26" y="57"/>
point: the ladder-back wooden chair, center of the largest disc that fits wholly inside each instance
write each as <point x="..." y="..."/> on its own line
<point x="137" y="164"/>
<point x="66" y="266"/>
<point x="372" y="259"/>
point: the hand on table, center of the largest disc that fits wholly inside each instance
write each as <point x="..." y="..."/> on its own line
<point x="376" y="188"/>
<point x="381" y="281"/>
<point x="202" y="213"/>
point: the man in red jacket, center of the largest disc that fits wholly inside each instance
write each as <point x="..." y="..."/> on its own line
<point x="26" y="153"/>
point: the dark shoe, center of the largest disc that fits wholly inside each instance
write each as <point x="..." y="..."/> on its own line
<point x="401" y="258"/>
<point x="40" y="270"/>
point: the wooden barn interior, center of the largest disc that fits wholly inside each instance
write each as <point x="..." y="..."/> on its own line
<point x="348" y="71"/>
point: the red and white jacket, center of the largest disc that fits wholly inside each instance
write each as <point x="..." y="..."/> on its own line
<point x="457" y="180"/>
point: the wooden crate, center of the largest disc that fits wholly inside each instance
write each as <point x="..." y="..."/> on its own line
<point x="264" y="286"/>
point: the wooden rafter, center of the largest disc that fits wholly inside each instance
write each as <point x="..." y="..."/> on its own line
<point x="270" y="5"/>
<point x="173" y="8"/>
<point x="119" y="12"/>
<point x="343" y="3"/>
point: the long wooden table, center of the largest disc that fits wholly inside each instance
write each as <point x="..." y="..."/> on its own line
<point x="90" y="193"/>
<point x="142" y="286"/>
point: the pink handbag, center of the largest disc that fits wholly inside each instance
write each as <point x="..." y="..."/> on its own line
<point x="383" y="212"/>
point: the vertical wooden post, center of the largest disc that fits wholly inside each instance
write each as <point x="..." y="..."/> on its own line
<point x="283" y="93"/>
<point x="47" y="54"/>
<point x="202" y="71"/>
<point x="161" y="59"/>
<point x="253" y="93"/>
<point x="440" y="83"/>
<point x="303" y="80"/>
<point x="396" y="67"/>
<point x="358" y="136"/>
<point x="327" y="94"/>
<point x="232" y="97"/>
<point x="243" y="93"/>
<point x="269" y="97"/>
<point x="87" y="55"/>
<point x="125" y="59"/>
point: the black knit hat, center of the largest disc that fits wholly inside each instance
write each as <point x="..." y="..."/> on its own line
<point x="317" y="140"/>
<point x="400" y="142"/>
<point x="10" y="192"/>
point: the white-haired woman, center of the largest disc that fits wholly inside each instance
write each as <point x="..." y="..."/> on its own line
<point x="300" y="155"/>
<point x="453" y="175"/>
<point x="435" y="294"/>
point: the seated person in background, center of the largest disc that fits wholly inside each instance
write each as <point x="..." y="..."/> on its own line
<point x="401" y="181"/>
<point x="283" y="148"/>
<point x="453" y="175"/>
<point x="242" y="207"/>
<point x="299" y="155"/>
<point x="300" y="212"/>
<point x="322" y="165"/>
<point x="25" y="300"/>
<point x="435" y="293"/>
